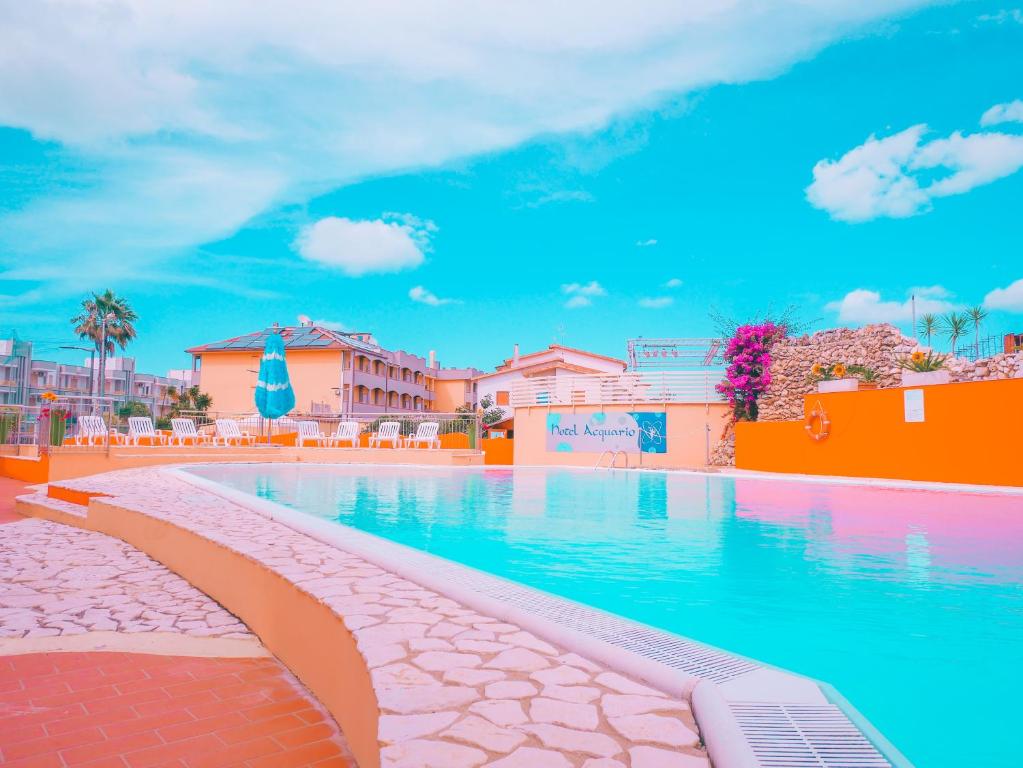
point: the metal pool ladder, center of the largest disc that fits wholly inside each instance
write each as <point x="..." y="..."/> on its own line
<point x="614" y="459"/>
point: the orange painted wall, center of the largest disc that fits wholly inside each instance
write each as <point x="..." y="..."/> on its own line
<point x="498" y="450"/>
<point x="230" y="379"/>
<point x="687" y="435"/>
<point x="973" y="433"/>
<point x="448" y="395"/>
<point x="30" y="470"/>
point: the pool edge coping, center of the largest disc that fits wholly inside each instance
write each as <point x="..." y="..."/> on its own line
<point x="728" y="746"/>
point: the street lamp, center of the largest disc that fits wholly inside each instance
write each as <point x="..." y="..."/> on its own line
<point x="92" y="371"/>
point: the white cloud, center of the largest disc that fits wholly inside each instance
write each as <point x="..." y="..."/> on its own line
<point x="332" y="325"/>
<point x="656" y="302"/>
<point x="362" y="247"/>
<point x="1010" y="112"/>
<point x="423" y="296"/>
<point x="1009" y="299"/>
<point x="864" y="306"/>
<point x="888" y="176"/>
<point x="1003" y="16"/>
<point x="582" y="294"/>
<point x="673" y="283"/>
<point x="266" y="104"/>
<point x="562" y="196"/>
<point x="645" y="243"/>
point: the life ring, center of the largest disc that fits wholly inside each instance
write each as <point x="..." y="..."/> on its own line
<point x="818" y="415"/>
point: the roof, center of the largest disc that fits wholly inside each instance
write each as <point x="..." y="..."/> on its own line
<point x="542" y="367"/>
<point x="507" y="364"/>
<point x="295" y="337"/>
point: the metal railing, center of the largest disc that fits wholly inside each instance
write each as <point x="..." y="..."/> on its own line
<point x="260" y="428"/>
<point x="624" y="388"/>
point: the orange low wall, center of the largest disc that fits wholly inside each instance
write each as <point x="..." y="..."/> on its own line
<point x="71" y="463"/>
<point x="972" y="433"/>
<point x="26" y="469"/>
<point x="687" y="425"/>
<point x="498" y="450"/>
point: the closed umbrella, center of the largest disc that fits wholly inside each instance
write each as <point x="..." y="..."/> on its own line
<point x="274" y="395"/>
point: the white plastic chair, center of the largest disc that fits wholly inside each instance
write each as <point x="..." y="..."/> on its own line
<point x="386" y="433"/>
<point x="183" y="430"/>
<point x="91" y="431"/>
<point x="426" y="434"/>
<point x="142" y="426"/>
<point x="308" y="431"/>
<point x="346" y="432"/>
<point x="229" y="433"/>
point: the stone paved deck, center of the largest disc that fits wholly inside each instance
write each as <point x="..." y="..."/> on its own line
<point x="457" y="689"/>
<point x="59" y="580"/>
<point x="125" y="710"/>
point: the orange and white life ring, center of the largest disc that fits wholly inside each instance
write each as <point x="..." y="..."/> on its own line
<point x="817" y="425"/>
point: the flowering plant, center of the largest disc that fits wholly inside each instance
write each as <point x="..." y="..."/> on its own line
<point x="49" y="397"/>
<point x="749" y="367"/>
<point x="821" y="372"/>
<point x="922" y="362"/>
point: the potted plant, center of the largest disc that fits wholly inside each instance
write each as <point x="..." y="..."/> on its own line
<point x="867" y="376"/>
<point x="924" y="368"/>
<point x="833" y="378"/>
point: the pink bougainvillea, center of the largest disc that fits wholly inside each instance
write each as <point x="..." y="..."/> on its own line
<point x="749" y="367"/>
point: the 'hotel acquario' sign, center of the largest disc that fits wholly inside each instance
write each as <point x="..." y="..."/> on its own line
<point x="631" y="432"/>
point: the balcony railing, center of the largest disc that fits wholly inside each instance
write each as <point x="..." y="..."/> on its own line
<point x="624" y="388"/>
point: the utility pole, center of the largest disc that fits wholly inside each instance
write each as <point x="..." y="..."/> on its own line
<point x="912" y="300"/>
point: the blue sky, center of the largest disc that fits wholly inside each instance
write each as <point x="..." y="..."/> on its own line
<point x="471" y="177"/>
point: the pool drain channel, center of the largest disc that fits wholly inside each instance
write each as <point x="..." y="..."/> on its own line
<point x="805" y="736"/>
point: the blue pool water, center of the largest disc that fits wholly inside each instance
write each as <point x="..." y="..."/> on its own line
<point x="908" y="601"/>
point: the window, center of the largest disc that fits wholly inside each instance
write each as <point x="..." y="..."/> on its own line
<point x="501" y="398"/>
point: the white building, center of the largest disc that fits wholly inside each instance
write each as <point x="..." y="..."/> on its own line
<point x="556" y="360"/>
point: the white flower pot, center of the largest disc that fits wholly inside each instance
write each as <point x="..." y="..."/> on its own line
<point x="921" y="378"/>
<point x="838" y="385"/>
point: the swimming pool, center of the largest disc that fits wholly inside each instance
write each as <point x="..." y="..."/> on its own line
<point x="910" y="602"/>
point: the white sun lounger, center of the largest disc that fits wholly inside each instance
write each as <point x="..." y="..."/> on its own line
<point x="426" y="434"/>
<point x="91" y="431"/>
<point x="308" y="431"/>
<point x="142" y="426"/>
<point x="386" y="433"/>
<point x="229" y="433"/>
<point x="183" y="430"/>
<point x="346" y="432"/>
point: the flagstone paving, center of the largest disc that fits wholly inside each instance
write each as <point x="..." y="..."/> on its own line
<point x="455" y="687"/>
<point x="59" y="580"/>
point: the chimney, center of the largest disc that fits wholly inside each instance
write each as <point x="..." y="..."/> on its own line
<point x="433" y="359"/>
<point x="515" y="357"/>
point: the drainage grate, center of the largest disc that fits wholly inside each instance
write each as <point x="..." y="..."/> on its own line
<point x="671" y="650"/>
<point x="805" y="736"/>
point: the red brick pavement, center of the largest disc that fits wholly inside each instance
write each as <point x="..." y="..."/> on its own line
<point x="8" y="490"/>
<point x="126" y="710"/>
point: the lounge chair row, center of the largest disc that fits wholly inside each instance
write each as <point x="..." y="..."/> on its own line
<point x="93" y="431"/>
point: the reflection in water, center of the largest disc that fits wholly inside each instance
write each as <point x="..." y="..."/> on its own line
<point x="879" y="591"/>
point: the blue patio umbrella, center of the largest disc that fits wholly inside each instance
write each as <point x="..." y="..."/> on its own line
<point x="274" y="395"/>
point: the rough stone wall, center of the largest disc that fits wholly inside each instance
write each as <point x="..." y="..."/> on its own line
<point x="876" y="346"/>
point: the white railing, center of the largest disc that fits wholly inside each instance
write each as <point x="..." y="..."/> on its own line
<point x="621" y="388"/>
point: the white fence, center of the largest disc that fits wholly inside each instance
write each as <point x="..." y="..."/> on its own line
<point x="619" y="388"/>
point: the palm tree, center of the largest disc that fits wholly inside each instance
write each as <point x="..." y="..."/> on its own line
<point x="976" y="315"/>
<point x="955" y="325"/>
<point x="928" y="326"/>
<point x="106" y="320"/>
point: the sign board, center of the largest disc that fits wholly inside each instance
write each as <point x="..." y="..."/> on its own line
<point x="913" y="402"/>
<point x="630" y="432"/>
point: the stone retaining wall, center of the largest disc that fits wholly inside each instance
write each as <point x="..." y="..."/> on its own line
<point x="875" y="346"/>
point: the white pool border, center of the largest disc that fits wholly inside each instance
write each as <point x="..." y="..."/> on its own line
<point x="726" y="742"/>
